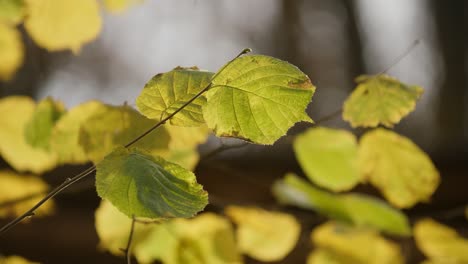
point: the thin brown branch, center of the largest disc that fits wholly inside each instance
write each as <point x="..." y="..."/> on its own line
<point x="222" y="148"/>
<point x="128" y="253"/>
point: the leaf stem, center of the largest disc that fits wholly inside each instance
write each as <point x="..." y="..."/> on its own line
<point x="128" y="252"/>
<point x="70" y="181"/>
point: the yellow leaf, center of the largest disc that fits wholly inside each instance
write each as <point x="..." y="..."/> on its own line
<point x="264" y="235"/>
<point x="440" y="243"/>
<point x="118" y="6"/>
<point x="11" y="11"/>
<point x="378" y="100"/>
<point x="397" y="167"/>
<point x="11" y="51"/>
<point x="15" y="260"/>
<point x="13" y="147"/>
<point x="349" y="245"/>
<point x="325" y="256"/>
<point x="14" y="186"/>
<point x="59" y="25"/>
<point x="113" y="229"/>
<point x="65" y="134"/>
<point x="205" y="239"/>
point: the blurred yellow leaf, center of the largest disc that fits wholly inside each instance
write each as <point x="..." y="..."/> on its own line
<point x="15" y="260"/>
<point x="347" y="245"/>
<point x="11" y="11"/>
<point x="65" y="135"/>
<point x="440" y="243"/>
<point x="11" y="51"/>
<point x="118" y="6"/>
<point x="264" y="235"/>
<point x="13" y="147"/>
<point x="397" y="167"/>
<point x="38" y="129"/>
<point x="113" y="229"/>
<point x="328" y="157"/>
<point x="59" y="25"/>
<point x="205" y="239"/>
<point x="14" y="186"/>
<point x="380" y="99"/>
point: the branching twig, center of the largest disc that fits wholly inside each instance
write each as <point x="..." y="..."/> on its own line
<point x="70" y="181"/>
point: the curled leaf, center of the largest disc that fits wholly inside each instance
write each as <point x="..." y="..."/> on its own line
<point x="257" y="98"/>
<point x="378" y="100"/>
<point x="259" y="235"/>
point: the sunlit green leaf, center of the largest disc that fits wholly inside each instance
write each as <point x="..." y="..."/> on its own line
<point x="14" y="186"/>
<point x="65" y="135"/>
<point x="440" y="243"/>
<point x="167" y="92"/>
<point x="11" y="51"/>
<point x="118" y="6"/>
<point x="205" y="239"/>
<point x="59" y="25"/>
<point x="113" y="126"/>
<point x="356" y="209"/>
<point x="39" y="127"/>
<point x="397" y="167"/>
<point x="328" y="157"/>
<point x="13" y="147"/>
<point x="380" y="99"/>
<point x="15" y="260"/>
<point x="257" y="98"/>
<point x="340" y="244"/>
<point x="142" y="185"/>
<point x="11" y="11"/>
<point x="259" y="235"/>
<point x="113" y="229"/>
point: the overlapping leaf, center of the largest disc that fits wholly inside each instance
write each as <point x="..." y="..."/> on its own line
<point x="113" y="126"/>
<point x="60" y="25"/>
<point x="39" y="128"/>
<point x="11" y="11"/>
<point x="257" y="98"/>
<point x="142" y="185"/>
<point x="378" y="100"/>
<point x="15" y="186"/>
<point x="259" y="235"/>
<point x="11" y="51"/>
<point x="328" y="157"/>
<point x="399" y="168"/>
<point x="13" y="147"/>
<point x="167" y="92"/>
<point x="356" y="209"/>
<point x="65" y="135"/>
<point x="207" y="238"/>
<point x="441" y="244"/>
<point x="340" y="244"/>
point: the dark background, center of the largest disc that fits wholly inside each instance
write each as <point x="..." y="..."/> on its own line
<point x="332" y="41"/>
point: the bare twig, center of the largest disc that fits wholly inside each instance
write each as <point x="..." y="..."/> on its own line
<point x="223" y="147"/>
<point x="128" y="253"/>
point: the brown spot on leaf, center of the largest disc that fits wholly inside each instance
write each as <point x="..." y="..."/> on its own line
<point x="301" y="84"/>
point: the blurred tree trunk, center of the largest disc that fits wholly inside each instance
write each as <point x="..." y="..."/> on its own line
<point x="450" y="18"/>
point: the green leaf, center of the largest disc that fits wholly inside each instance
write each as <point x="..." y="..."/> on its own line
<point x="397" y="167"/>
<point x="207" y="238"/>
<point x="38" y="129"/>
<point x="11" y="51"/>
<point x="257" y="98"/>
<point x="65" y="135"/>
<point x="11" y="11"/>
<point x="380" y="99"/>
<point x="112" y="126"/>
<point x="340" y="244"/>
<point x="440" y="243"/>
<point x="13" y="147"/>
<point x="142" y="185"/>
<point x="113" y="229"/>
<point x="258" y="234"/>
<point x="60" y="25"/>
<point x="167" y="92"/>
<point x="328" y="157"/>
<point x="356" y="209"/>
<point x="14" y="186"/>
